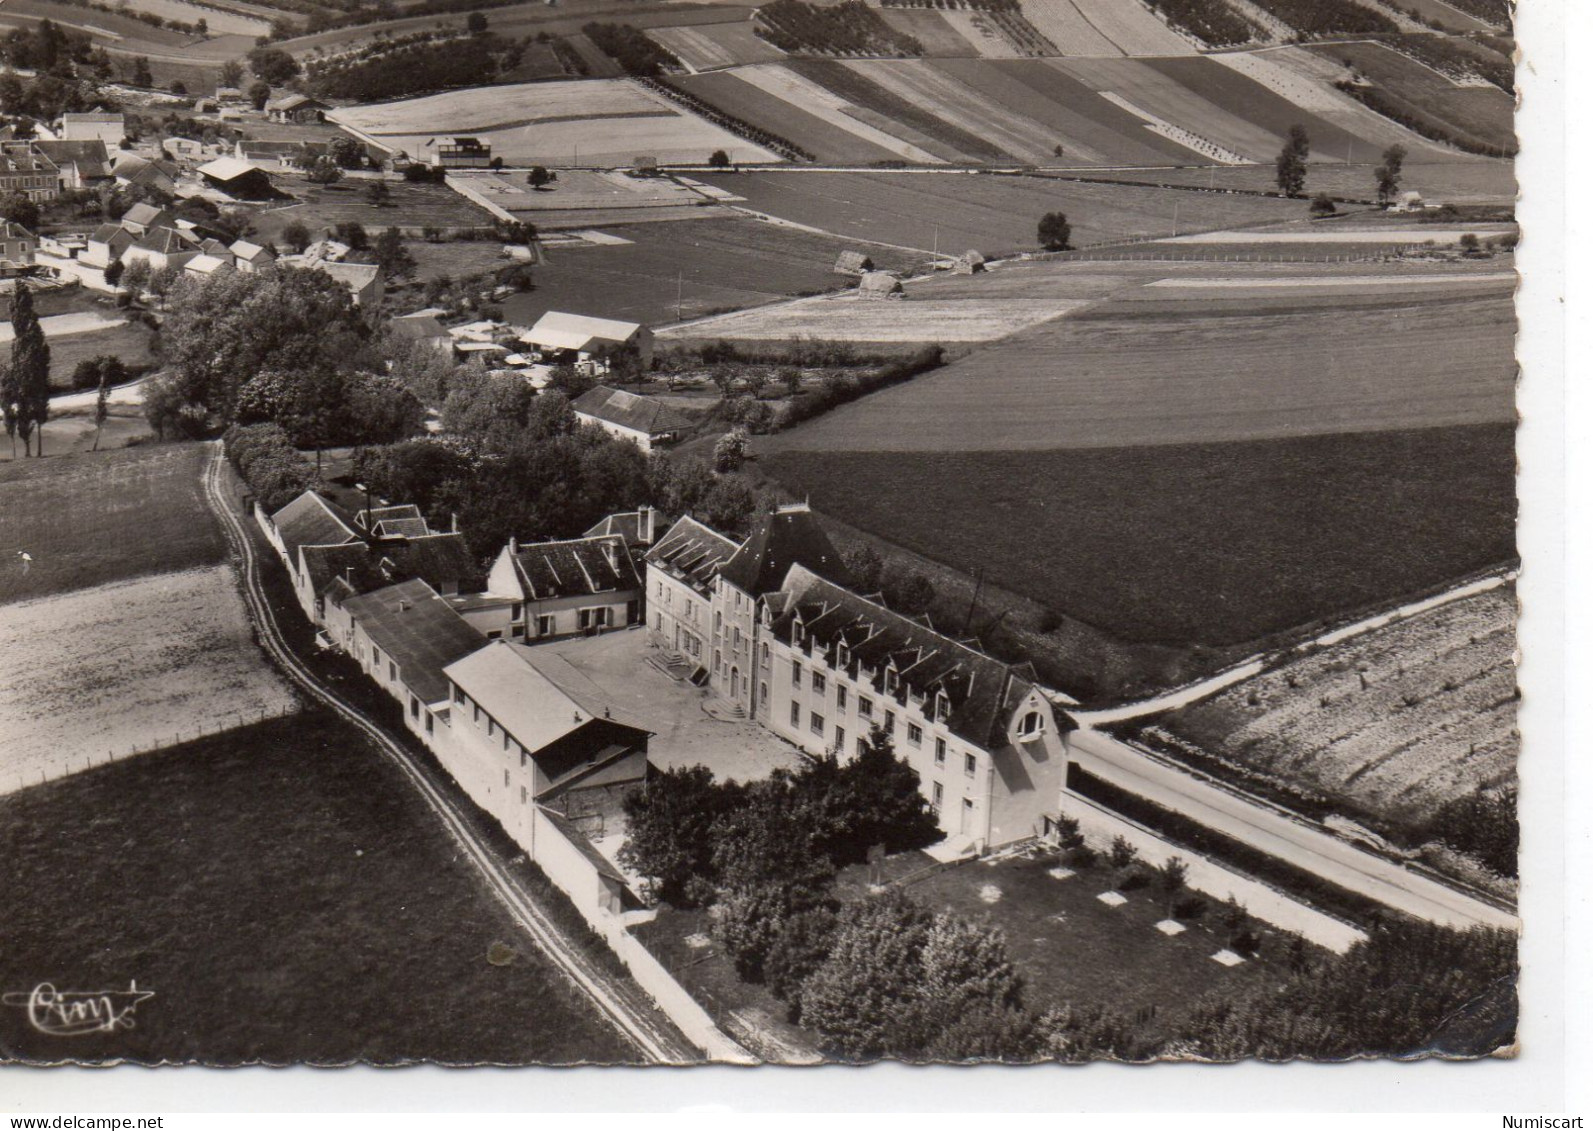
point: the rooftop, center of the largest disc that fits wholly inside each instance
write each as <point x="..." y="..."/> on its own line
<point x="576" y="567"/>
<point x="692" y="552"/>
<point x="310" y="520"/>
<point x="441" y="560"/>
<point x="558" y="330"/>
<point x="629" y="410"/>
<point x="419" y="631"/>
<point x="638" y="528"/>
<point x="780" y="539"/>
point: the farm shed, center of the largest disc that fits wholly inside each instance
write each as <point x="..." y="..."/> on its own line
<point x="251" y="256"/>
<point x="237" y="178"/>
<point x="968" y="263"/>
<point x="363" y="280"/>
<point x="205" y="265"/>
<point x="297" y="108"/>
<point x="853" y="263"/>
<point x="589" y="341"/>
<point x="879" y="285"/>
<point x="628" y="416"/>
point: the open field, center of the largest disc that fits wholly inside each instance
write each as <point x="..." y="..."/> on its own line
<point x="287" y="897"/>
<point x="847" y="318"/>
<point x="1482" y="115"/>
<point x="126" y="340"/>
<point x="1063" y="24"/>
<point x="219" y="20"/>
<point x="993" y="214"/>
<point x="91" y="519"/>
<point x="605" y="122"/>
<point x="128" y="666"/>
<point x="1132" y="27"/>
<point x="711" y="46"/>
<point x="602" y="193"/>
<point x="1479" y="181"/>
<point x="1211" y="544"/>
<point x="409" y="206"/>
<point x="1186" y="364"/>
<point x="709" y="264"/>
<point x="1392" y="724"/>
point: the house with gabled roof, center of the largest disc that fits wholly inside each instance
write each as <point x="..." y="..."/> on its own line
<point x="309" y="520"/>
<point x="161" y="248"/>
<point x="640" y="529"/>
<point x="545" y="590"/>
<point x="103" y="126"/>
<point x="142" y="218"/>
<point x="384" y="557"/>
<point x="587" y="341"/>
<point x="643" y="421"/>
<point x="985" y="741"/>
<point x="81" y="164"/>
<point x="248" y="256"/>
<point x="106" y="245"/>
<point x="404" y="636"/>
<point x="682" y="573"/>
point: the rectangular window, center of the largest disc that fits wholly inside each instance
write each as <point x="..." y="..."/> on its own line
<point x="796" y="674"/>
<point x="818" y="682"/>
<point x="506" y="740"/>
<point x="392" y="672"/>
<point x="840" y="740"/>
<point x="937" y="796"/>
<point x="940" y="751"/>
<point x="475" y="713"/>
<point x="862" y="747"/>
<point x="865" y="707"/>
<point x="495" y="634"/>
<point x="915" y="734"/>
<point x="816" y="724"/>
<point x="796" y="714"/>
<point x="492" y="727"/>
<point x="840" y="697"/>
<point x="969" y="764"/>
<point x="459" y="695"/>
<point x="763" y="692"/>
<point x="506" y="779"/>
<point x="522" y="795"/>
<point x="516" y="611"/>
<point x="545" y="626"/>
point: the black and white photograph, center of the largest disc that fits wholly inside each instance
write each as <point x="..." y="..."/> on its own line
<point x="682" y="532"/>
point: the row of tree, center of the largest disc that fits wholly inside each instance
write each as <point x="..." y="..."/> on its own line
<point x="25" y="379"/>
<point x="1291" y="171"/>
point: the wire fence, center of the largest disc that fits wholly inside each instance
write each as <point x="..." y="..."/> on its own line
<point x="76" y="763"/>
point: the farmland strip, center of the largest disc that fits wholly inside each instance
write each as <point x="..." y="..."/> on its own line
<point x="921" y="84"/>
<point x="729" y="93"/>
<point x="814" y="98"/>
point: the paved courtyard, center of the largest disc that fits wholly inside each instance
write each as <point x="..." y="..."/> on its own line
<point x="684" y="734"/>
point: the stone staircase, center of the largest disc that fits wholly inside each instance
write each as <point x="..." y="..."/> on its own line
<point x="672" y="664"/>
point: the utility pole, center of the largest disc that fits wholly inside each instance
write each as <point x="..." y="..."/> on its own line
<point x="1176" y="203"/>
<point x="678" y="285"/>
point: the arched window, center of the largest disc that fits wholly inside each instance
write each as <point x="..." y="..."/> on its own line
<point x="1031" y="725"/>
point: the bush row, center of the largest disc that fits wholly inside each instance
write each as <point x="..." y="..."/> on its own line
<point x="842" y="388"/>
<point x="630" y="48"/>
<point x="1223" y="849"/>
<point x="727" y="121"/>
<point x="1413" y="119"/>
<point x="1211" y="21"/>
<point x="1313" y="18"/>
<point x="1443" y="56"/>
<point x="268" y="463"/>
<point x="849" y="28"/>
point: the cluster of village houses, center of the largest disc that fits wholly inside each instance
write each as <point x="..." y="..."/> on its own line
<point x="766" y="627"/>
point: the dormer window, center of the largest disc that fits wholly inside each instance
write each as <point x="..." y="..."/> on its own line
<point x="942" y="707"/>
<point x="1032" y="725"/>
<point x="890" y="680"/>
<point x="842" y="654"/>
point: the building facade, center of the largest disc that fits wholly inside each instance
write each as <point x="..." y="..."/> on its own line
<point x="545" y="590"/>
<point x="682" y="572"/>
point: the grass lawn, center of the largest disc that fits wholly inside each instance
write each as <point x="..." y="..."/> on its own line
<point x="129" y="341"/>
<point x="410" y="207"/>
<point x="1210" y="544"/>
<point x="92" y="518"/>
<point x="287" y="897"/>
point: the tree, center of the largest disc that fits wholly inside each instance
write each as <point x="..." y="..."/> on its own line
<point x="906" y="590"/>
<point x="92" y="372"/>
<point x="719" y="159"/>
<point x="179" y="88"/>
<point x="113" y="273"/>
<point x="1470" y="244"/>
<point x="877" y="799"/>
<point x="162" y="282"/>
<point x="1054" y="233"/>
<point x="538" y="176"/>
<point x="324" y="171"/>
<point x="202" y="26"/>
<point x="353" y="233"/>
<point x="1291" y="162"/>
<point x="141" y="75"/>
<point x="226" y="327"/>
<point x="10" y="404"/>
<point x="259" y="94"/>
<point x="731" y="450"/>
<point x="135" y="276"/>
<point x="102" y="409"/>
<point x="273" y="65"/>
<point x="393" y="256"/>
<point x="295" y="237"/>
<point x="1388" y="174"/>
<point x="476" y="23"/>
<point x="866" y="565"/>
<point x="1170" y="879"/>
<point x="377" y="194"/>
<point x="1322" y="205"/>
<point x="670" y="825"/>
<point x="348" y="153"/>
<point x="30" y="367"/>
<point x="17" y="208"/>
<point x="231" y="73"/>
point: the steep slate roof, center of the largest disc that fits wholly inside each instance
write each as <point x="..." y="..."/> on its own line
<point x="692" y="552"/>
<point x="575" y="568"/>
<point x="508" y="683"/>
<point x="983" y="692"/>
<point x="111" y="233"/>
<point x="631" y="526"/>
<point x="629" y="410"/>
<point x="419" y="630"/>
<point x="311" y="520"/>
<point x="438" y="559"/>
<point x="166" y="241"/>
<point x="91" y="157"/>
<point x="146" y="215"/>
<point x="789" y="536"/>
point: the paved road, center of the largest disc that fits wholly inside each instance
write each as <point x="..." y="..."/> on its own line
<point x="1285" y="837"/>
<point x="617" y="1000"/>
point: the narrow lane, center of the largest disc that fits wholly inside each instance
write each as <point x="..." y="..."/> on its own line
<point x="624" y="1006"/>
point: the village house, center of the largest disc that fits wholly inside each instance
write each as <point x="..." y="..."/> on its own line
<point x="300" y="108"/>
<point x="143" y="218"/>
<point x="682" y="569"/>
<point x="131" y="169"/>
<point x="404" y="636"/>
<point x="362" y="280"/>
<point x="106" y="245"/>
<point x="109" y="128"/>
<point x="333" y="574"/>
<point x="79" y="164"/>
<point x="161" y="248"/>
<point x="309" y="520"/>
<point x="26" y="171"/>
<point x="251" y="256"/>
<point x="424" y="328"/>
<point x="278" y="156"/>
<point x="590" y="344"/>
<point x="18" y="246"/>
<point x="984" y="741"/>
<point x="458" y="153"/>
<point x="525" y="732"/>
<point x="629" y="416"/>
<point x="545" y="590"/>
<point x="639" y="529"/>
<point x="204" y="265"/>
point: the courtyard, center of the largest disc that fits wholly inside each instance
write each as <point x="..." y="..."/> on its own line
<point x="615" y="667"/>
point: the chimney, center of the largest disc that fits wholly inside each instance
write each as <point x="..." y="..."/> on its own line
<point x="403" y="606"/>
<point x="453" y="522"/>
<point x="644" y="526"/>
<point x="514" y="545"/>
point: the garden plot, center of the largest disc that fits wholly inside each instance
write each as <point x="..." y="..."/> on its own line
<point x="848" y="318"/>
<point x="603" y="123"/>
<point x="129" y="666"/>
<point x="1395" y="722"/>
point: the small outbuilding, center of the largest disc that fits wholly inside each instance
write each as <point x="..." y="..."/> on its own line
<point x="589" y="343"/>
<point x="968" y="263"/>
<point x="853" y="263"/>
<point x="237" y="178"/>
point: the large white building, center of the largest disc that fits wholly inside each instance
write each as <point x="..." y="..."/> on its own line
<point x="682" y="571"/>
